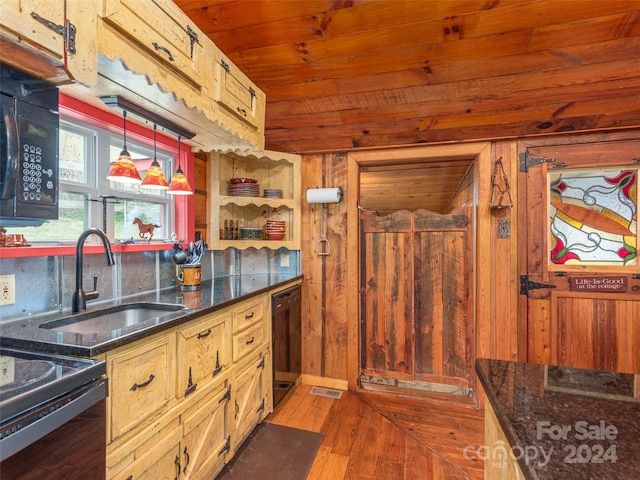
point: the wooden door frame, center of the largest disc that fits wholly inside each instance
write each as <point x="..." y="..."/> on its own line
<point x="481" y="153"/>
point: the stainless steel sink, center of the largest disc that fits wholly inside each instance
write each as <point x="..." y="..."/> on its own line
<point x="113" y="318"/>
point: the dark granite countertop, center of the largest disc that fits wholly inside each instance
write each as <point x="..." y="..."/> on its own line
<point x="566" y="423"/>
<point x="214" y="295"/>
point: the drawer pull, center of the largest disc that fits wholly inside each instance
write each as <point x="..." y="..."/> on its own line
<point x="242" y="111"/>
<point x="249" y="342"/>
<point x="247" y="317"/>
<point x="204" y="335"/>
<point x="186" y="454"/>
<point x="177" y="463"/>
<point x="142" y="385"/>
<point x="163" y="49"/>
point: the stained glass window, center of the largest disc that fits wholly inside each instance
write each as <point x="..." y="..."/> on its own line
<point x="593" y="217"/>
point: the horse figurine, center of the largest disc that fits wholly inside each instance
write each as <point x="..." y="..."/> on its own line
<point x="145" y="228"/>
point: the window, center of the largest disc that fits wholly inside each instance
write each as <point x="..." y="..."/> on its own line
<point x="593" y="217"/>
<point x="88" y="199"/>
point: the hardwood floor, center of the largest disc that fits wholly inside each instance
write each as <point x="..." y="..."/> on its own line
<point x="370" y="436"/>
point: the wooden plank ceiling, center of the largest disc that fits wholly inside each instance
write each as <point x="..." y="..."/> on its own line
<point x="353" y="74"/>
<point x="344" y="74"/>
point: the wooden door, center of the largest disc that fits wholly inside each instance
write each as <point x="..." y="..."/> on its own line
<point x="443" y="306"/>
<point x="583" y="273"/>
<point x="416" y="306"/>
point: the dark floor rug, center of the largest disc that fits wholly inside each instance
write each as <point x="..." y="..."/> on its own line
<point x="274" y="452"/>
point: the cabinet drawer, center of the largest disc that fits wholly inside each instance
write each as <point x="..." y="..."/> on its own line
<point x="203" y="352"/>
<point x="162" y="30"/>
<point x="140" y="383"/>
<point x="247" y="341"/>
<point x="248" y="313"/>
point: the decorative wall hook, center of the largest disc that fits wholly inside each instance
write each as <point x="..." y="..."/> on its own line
<point x="500" y="188"/>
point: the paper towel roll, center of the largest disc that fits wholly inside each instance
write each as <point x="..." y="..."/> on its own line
<point x="324" y="195"/>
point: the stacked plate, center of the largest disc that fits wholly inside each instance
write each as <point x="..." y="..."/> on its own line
<point x="275" y="229"/>
<point x="272" y="193"/>
<point x="244" y="187"/>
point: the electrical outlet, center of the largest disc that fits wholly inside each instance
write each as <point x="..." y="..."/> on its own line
<point x="284" y="259"/>
<point x="7" y="289"/>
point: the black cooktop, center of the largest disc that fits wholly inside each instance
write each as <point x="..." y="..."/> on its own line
<point x="29" y="379"/>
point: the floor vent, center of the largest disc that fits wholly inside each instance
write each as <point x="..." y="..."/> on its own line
<point x="326" y="392"/>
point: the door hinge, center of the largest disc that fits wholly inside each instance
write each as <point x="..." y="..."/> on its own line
<point x="227" y="446"/>
<point x="193" y="39"/>
<point x="527" y="285"/>
<point x="527" y="161"/>
<point x="191" y="387"/>
<point x="226" y="396"/>
<point x="67" y="32"/>
<point x="225" y="65"/>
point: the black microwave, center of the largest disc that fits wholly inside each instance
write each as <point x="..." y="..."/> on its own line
<point x="29" y="168"/>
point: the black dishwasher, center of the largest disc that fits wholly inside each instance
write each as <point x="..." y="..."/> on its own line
<point x="286" y="338"/>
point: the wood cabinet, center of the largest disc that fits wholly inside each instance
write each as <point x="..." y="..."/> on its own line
<point x="140" y="382"/>
<point x="207" y="433"/>
<point x="171" y="44"/>
<point x="251" y="395"/>
<point x="238" y="94"/>
<point x="204" y="352"/>
<point x="50" y="39"/>
<point x="272" y="171"/>
<point x="182" y="401"/>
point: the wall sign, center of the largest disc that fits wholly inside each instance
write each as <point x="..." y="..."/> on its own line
<point x="611" y="284"/>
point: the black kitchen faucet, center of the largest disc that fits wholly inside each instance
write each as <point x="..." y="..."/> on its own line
<point x="80" y="297"/>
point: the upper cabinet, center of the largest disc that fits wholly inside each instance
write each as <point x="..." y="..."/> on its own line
<point x="146" y="51"/>
<point x="50" y="39"/>
<point x="237" y="93"/>
<point x="156" y="39"/>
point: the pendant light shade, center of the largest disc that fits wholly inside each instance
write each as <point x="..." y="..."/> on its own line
<point x="155" y="178"/>
<point x="123" y="169"/>
<point x="179" y="184"/>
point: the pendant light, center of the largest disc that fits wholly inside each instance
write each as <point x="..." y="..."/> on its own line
<point x="179" y="184"/>
<point x="123" y="169"/>
<point x="155" y="178"/>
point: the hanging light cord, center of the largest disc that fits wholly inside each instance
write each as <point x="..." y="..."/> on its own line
<point x="179" y="159"/>
<point x="155" y="159"/>
<point x="124" y="119"/>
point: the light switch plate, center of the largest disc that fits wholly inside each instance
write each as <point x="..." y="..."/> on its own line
<point x="284" y="259"/>
<point x="7" y="289"/>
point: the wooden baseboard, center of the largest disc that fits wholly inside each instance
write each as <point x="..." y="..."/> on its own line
<point x="324" y="382"/>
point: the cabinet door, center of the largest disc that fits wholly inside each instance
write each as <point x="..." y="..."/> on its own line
<point x="203" y="352"/>
<point x="162" y="31"/>
<point x="26" y="22"/>
<point x="206" y="433"/>
<point x="162" y="462"/>
<point x="140" y="382"/>
<point x="250" y="394"/>
<point x="237" y="93"/>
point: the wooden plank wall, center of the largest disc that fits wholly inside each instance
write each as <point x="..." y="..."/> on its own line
<point x="324" y="292"/>
<point x="331" y="322"/>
